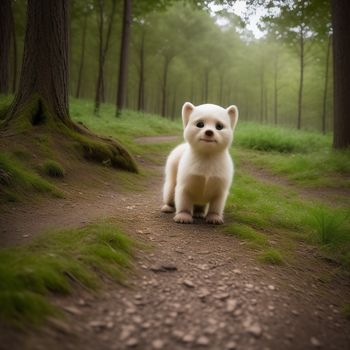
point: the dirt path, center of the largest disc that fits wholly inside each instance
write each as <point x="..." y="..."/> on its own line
<point x="197" y="288"/>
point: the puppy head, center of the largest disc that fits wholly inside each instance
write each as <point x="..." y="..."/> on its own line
<point x="209" y="128"/>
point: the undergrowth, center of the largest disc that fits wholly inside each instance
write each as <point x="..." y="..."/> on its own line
<point x="56" y="263"/>
<point x="15" y="180"/>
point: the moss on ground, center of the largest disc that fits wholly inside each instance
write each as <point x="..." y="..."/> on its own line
<point x="57" y="263"/>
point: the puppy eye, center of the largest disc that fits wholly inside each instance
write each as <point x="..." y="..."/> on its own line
<point x="219" y="126"/>
<point x="200" y="125"/>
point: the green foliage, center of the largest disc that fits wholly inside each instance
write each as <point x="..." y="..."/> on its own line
<point x="247" y="233"/>
<point x="16" y="179"/>
<point x="278" y="139"/>
<point x="53" y="168"/>
<point x="271" y="256"/>
<point x="330" y="227"/>
<point x="275" y="211"/>
<point x="56" y="263"/>
<point x="126" y="128"/>
<point x="305" y="157"/>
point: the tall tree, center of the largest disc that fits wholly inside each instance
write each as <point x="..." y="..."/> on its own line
<point x="42" y="97"/>
<point x="103" y="49"/>
<point x="124" y="54"/>
<point x="82" y="56"/>
<point x="5" y="42"/>
<point x="341" y="67"/>
<point x="325" y="89"/>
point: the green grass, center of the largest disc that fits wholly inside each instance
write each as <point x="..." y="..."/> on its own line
<point x="15" y="180"/>
<point x="53" y="168"/>
<point x="126" y="128"/>
<point x="303" y="157"/>
<point x="270" y="138"/>
<point x="272" y="256"/>
<point x="56" y="263"/>
<point x="262" y="212"/>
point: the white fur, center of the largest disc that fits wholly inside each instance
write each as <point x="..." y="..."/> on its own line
<point x="198" y="173"/>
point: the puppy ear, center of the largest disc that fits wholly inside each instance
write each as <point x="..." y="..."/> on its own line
<point x="187" y="109"/>
<point x="233" y="114"/>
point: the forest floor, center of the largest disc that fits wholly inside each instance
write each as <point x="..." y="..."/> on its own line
<point x="195" y="287"/>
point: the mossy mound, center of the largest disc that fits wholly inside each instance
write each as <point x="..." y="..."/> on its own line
<point x="36" y="115"/>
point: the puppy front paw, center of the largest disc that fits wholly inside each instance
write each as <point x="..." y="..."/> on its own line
<point x="183" y="218"/>
<point x="167" y="208"/>
<point x="213" y="218"/>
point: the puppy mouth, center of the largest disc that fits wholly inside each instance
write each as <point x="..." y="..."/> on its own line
<point x="208" y="140"/>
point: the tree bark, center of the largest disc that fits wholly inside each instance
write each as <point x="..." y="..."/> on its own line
<point x="275" y="86"/>
<point x="82" y="57"/>
<point x="5" y="42"/>
<point x="164" y="84"/>
<point x="124" y="54"/>
<point x="44" y="74"/>
<point x="341" y="59"/>
<point x="325" y="90"/>
<point x="301" y="79"/>
<point x="221" y="88"/>
<point x="262" y="89"/>
<point x="103" y="49"/>
<point x="141" y="90"/>
<point x="14" y="43"/>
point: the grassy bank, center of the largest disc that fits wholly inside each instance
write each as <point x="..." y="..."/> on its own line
<point x="57" y="263"/>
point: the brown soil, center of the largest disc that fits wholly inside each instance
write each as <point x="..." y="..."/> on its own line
<point x="197" y="288"/>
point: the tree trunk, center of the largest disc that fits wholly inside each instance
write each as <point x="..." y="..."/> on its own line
<point x="275" y="83"/>
<point x="100" y="57"/>
<point x="44" y="74"/>
<point x="164" y="85"/>
<point x="5" y="41"/>
<point x="325" y="90"/>
<point x="82" y="57"/>
<point x="103" y="49"/>
<point x="301" y="79"/>
<point x="124" y="53"/>
<point x="14" y="43"/>
<point x="262" y="90"/>
<point x="341" y="59"/>
<point x="141" y="95"/>
<point x="266" y="108"/>
<point x="173" y="108"/>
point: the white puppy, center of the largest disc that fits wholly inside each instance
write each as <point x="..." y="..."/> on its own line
<point x="198" y="173"/>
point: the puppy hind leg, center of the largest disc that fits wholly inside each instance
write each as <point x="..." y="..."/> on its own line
<point x="168" y="197"/>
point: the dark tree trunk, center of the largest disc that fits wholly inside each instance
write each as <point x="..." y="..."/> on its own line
<point x="167" y="61"/>
<point x="341" y="59"/>
<point x="5" y="42"/>
<point x="42" y="97"/>
<point x="82" y="57"/>
<point x="103" y="49"/>
<point x="44" y="74"/>
<point x="173" y="108"/>
<point x="14" y="43"/>
<point x="262" y="89"/>
<point x="275" y="87"/>
<point x="141" y="96"/>
<point x="301" y="79"/>
<point x="124" y="54"/>
<point x="325" y="90"/>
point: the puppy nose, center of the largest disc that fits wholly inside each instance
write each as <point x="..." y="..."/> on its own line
<point x="209" y="132"/>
